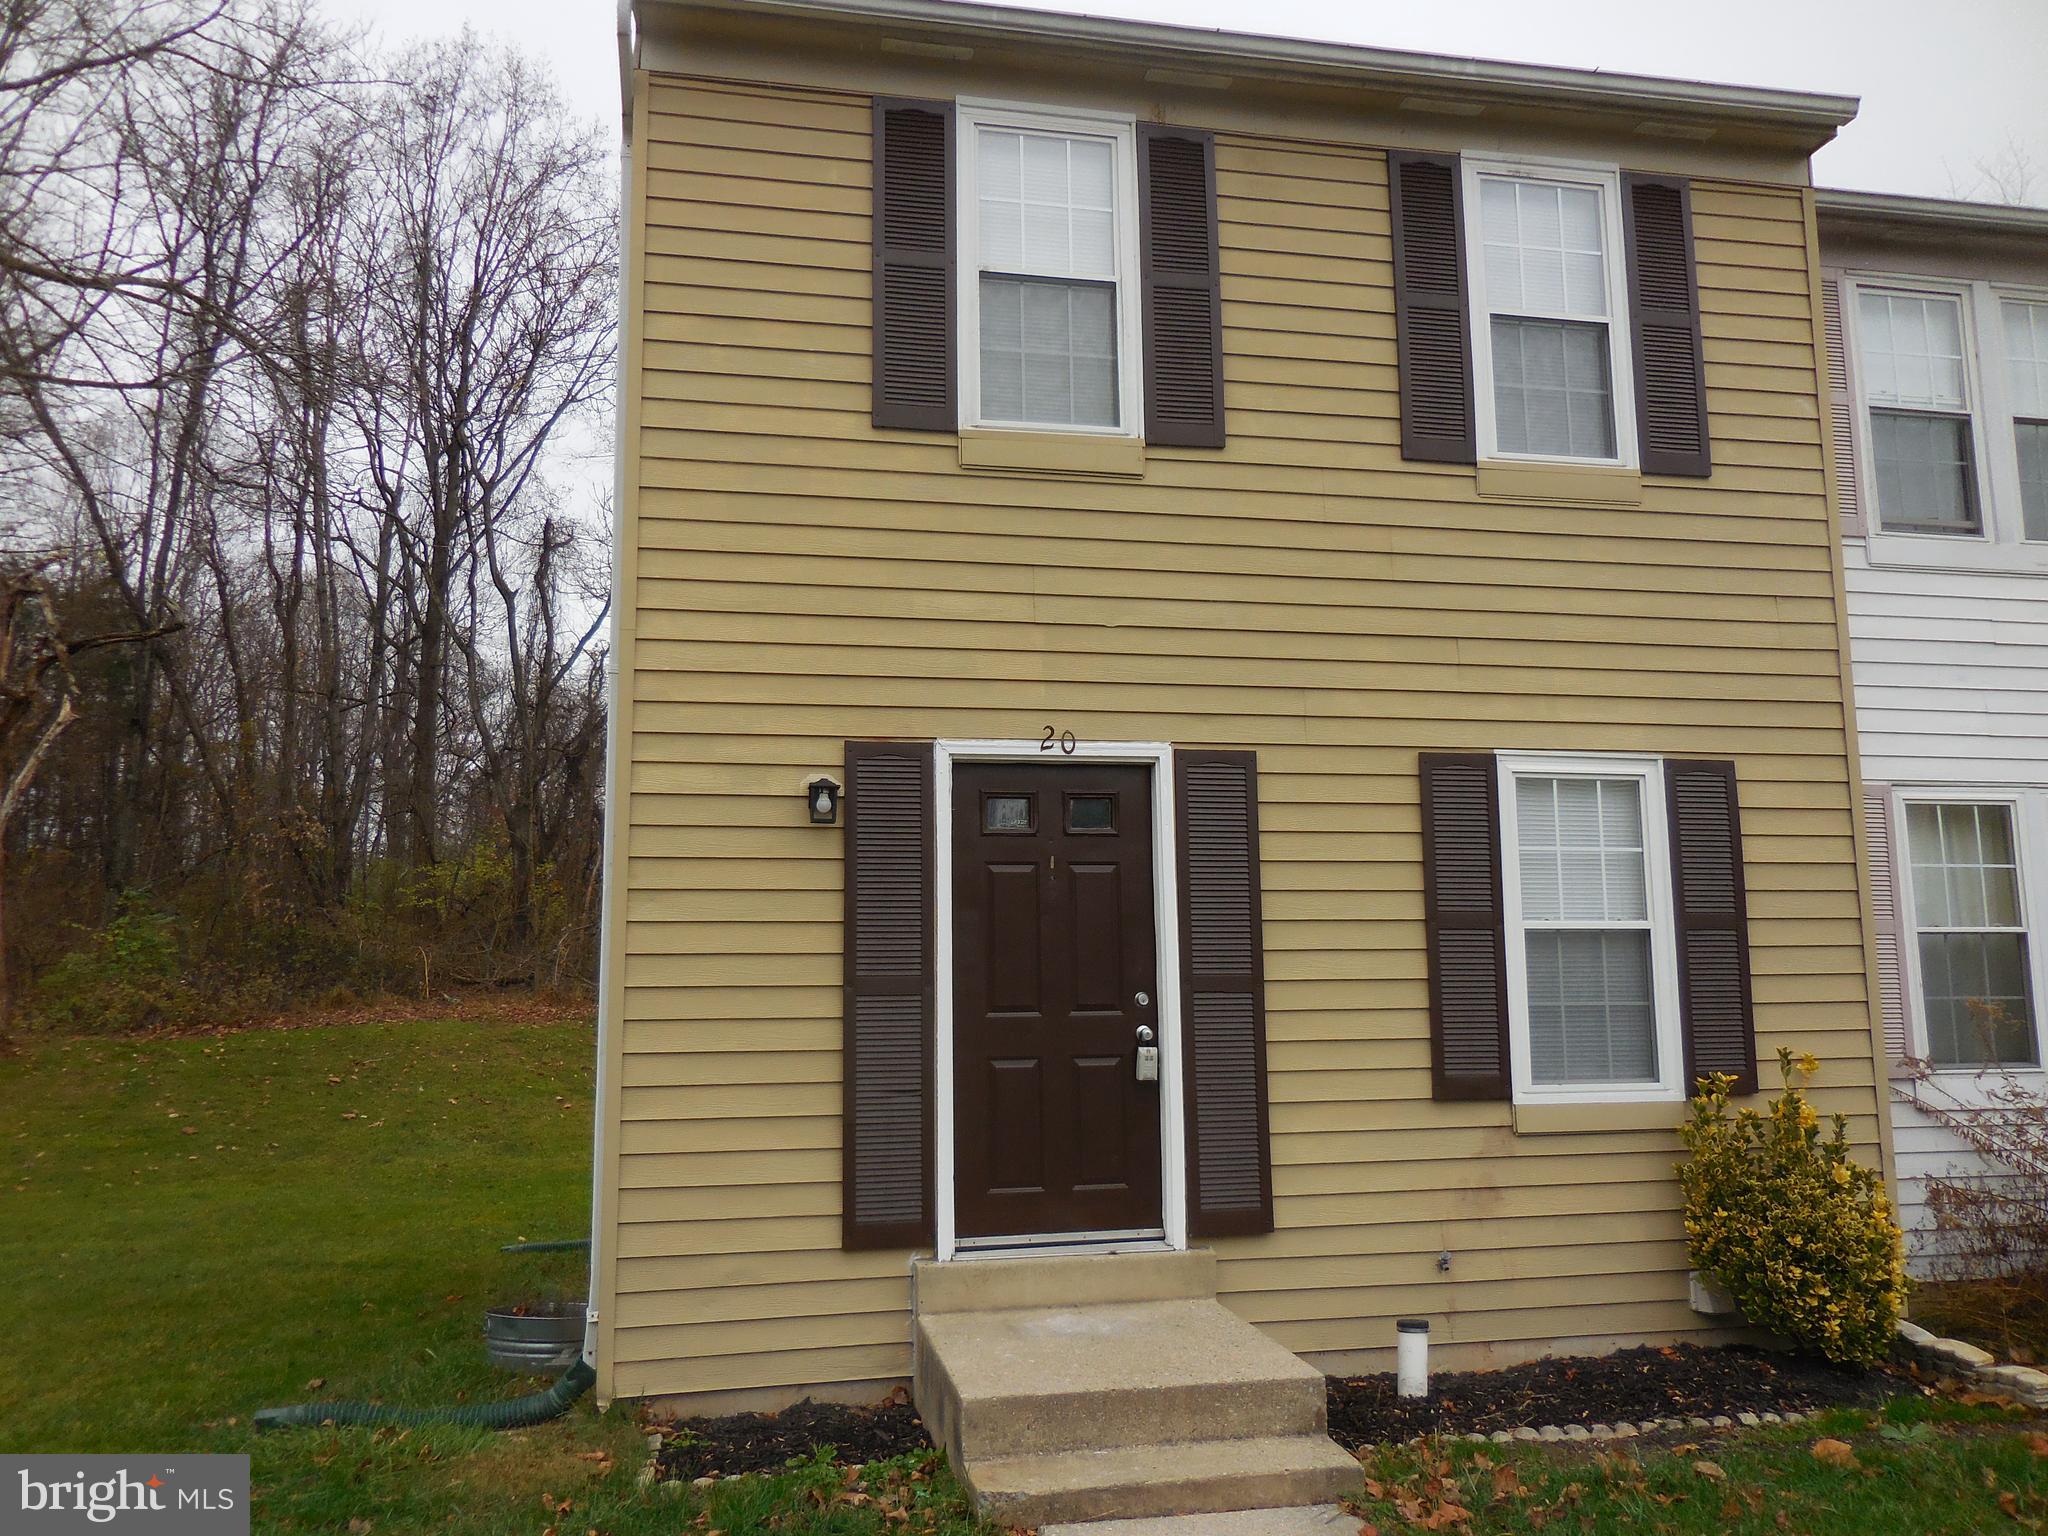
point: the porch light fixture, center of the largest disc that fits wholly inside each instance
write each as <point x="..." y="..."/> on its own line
<point x="822" y="795"/>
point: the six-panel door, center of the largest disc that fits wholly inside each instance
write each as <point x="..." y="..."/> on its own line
<point x="1055" y="990"/>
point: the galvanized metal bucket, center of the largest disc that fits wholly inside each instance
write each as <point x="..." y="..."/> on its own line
<point x="535" y="1340"/>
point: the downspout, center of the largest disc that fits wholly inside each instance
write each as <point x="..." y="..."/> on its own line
<point x="608" y="910"/>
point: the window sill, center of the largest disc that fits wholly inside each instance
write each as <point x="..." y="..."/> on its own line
<point x="1581" y="1119"/>
<point x="1512" y="480"/>
<point x="1954" y="552"/>
<point x="1061" y="455"/>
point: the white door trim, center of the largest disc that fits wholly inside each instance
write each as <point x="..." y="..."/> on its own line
<point x="1158" y="756"/>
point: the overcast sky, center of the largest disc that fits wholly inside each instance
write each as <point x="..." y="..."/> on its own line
<point x="1945" y="87"/>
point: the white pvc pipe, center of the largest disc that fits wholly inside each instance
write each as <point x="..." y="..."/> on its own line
<point x="1411" y="1358"/>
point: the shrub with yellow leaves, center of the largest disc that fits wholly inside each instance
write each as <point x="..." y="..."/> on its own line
<point x="1801" y="1237"/>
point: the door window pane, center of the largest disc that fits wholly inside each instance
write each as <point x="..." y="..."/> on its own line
<point x="1091" y="813"/>
<point x="1591" y="1017"/>
<point x="1926" y="480"/>
<point x="1551" y="389"/>
<point x="1006" y="813"/>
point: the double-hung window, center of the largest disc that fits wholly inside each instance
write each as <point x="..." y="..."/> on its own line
<point x="1591" y="957"/>
<point x="1549" y="332"/>
<point x="2026" y="357"/>
<point x="1915" y="382"/>
<point x="1049" y="306"/>
<point x="1970" y="927"/>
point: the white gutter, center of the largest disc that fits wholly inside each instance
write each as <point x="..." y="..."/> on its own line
<point x="1947" y="213"/>
<point x="1387" y="69"/>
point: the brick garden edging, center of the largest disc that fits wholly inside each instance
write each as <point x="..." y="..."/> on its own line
<point x="2018" y="1381"/>
<point x="1554" y="1434"/>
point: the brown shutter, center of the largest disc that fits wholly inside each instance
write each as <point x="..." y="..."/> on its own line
<point x="1222" y="949"/>
<point x="886" y="1135"/>
<point x="1881" y="839"/>
<point x="1664" y="315"/>
<point x="913" y="253"/>
<point x="1713" y="921"/>
<point x="1468" y="990"/>
<point x="1841" y="408"/>
<point x="1432" y="327"/>
<point x="1182" y="299"/>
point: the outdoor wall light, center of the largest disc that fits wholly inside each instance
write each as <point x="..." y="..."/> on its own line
<point x="823" y="797"/>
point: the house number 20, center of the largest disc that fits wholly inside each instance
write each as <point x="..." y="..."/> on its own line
<point x="1064" y="741"/>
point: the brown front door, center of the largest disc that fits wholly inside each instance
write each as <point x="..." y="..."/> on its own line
<point x="1054" y="976"/>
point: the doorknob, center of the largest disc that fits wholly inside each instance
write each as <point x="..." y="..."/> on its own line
<point x="1144" y="1034"/>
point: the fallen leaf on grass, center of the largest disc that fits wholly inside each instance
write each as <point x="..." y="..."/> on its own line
<point x="1710" y="1469"/>
<point x="1835" y="1453"/>
<point x="2037" y="1442"/>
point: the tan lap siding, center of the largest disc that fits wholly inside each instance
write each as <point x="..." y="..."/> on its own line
<point x="804" y="578"/>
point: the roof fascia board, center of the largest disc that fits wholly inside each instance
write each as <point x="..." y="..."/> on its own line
<point x="1810" y="118"/>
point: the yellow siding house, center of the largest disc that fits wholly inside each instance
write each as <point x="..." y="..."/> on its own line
<point x="1221" y="642"/>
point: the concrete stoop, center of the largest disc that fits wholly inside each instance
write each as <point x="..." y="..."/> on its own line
<point x="1115" y="1387"/>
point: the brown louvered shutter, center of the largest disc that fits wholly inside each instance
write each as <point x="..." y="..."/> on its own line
<point x="1664" y="314"/>
<point x="1841" y="408"/>
<point x="886" y="1135"/>
<point x="1223" y="987"/>
<point x="1432" y="328"/>
<point x="1182" y="297"/>
<point x="1713" y="921"/>
<point x="1463" y="924"/>
<point x="913" y="255"/>
<point x="1880" y="837"/>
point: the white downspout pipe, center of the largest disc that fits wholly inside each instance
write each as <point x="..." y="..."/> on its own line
<point x="608" y="911"/>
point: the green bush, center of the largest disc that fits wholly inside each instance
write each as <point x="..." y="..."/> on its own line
<point x="128" y="975"/>
<point x="1778" y="1216"/>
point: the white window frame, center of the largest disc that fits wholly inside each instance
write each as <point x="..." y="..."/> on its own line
<point x="1173" y="1185"/>
<point x="1606" y="180"/>
<point x="1120" y="129"/>
<point x="1648" y="772"/>
<point x="2001" y="543"/>
<point x="2029" y="809"/>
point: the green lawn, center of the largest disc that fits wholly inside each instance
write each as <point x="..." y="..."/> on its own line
<point x="195" y="1228"/>
<point x="1921" y="1467"/>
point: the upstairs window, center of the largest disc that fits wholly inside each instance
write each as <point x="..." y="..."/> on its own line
<point x="1915" y="384"/>
<point x="1549" y="324"/>
<point x="2026" y="356"/>
<point x="1048" y="301"/>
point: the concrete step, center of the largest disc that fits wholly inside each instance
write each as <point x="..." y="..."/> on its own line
<point x="1132" y="1482"/>
<point x="1027" y="1381"/>
<point x="1302" y="1520"/>
<point x="988" y="1285"/>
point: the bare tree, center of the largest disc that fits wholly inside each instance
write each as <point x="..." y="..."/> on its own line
<point x="492" y="300"/>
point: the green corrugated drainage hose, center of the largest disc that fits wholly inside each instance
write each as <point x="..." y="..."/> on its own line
<point x="534" y="1408"/>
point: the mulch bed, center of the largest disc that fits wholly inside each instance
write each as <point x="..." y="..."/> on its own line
<point x="767" y="1442"/>
<point x="1627" y="1387"/>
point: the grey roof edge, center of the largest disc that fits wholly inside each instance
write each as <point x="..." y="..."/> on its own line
<point x="1811" y="112"/>
<point x="1939" y="212"/>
